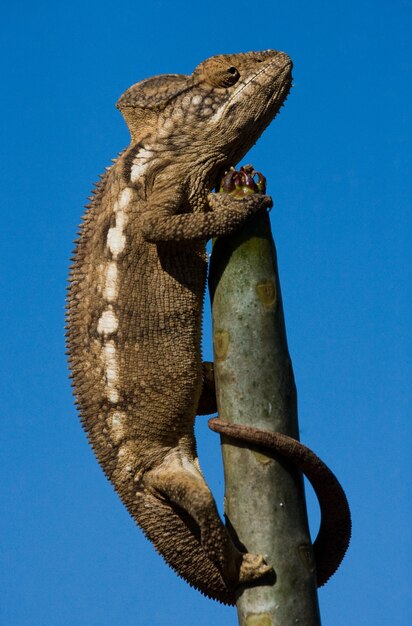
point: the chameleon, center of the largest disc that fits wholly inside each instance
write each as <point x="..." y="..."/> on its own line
<point x="135" y="296"/>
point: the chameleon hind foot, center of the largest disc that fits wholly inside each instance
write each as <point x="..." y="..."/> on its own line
<point x="253" y="567"/>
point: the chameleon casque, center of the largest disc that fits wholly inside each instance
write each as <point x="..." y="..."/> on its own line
<point x="135" y="299"/>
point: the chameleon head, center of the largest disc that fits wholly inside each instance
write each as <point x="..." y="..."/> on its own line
<point x="223" y="106"/>
<point x="247" y="91"/>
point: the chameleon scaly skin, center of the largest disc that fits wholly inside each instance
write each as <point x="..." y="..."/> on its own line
<point x="135" y="300"/>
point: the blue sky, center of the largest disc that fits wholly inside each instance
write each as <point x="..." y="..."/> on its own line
<point x="338" y="165"/>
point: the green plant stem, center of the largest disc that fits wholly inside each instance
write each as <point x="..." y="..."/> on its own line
<point x="264" y="497"/>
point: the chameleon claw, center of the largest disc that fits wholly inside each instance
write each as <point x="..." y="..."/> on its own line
<point x="242" y="183"/>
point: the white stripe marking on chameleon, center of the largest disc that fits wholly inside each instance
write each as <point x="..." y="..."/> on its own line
<point x="110" y="285"/>
<point x="113" y="396"/>
<point x="117" y="426"/>
<point x="108" y="322"/>
<point x="125" y="198"/>
<point x="116" y="240"/>
<point x="111" y="370"/>
<point x="140" y="164"/>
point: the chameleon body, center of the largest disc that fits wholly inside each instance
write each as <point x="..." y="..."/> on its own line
<point x="135" y="301"/>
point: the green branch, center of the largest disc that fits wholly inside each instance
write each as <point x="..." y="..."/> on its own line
<point x="264" y="499"/>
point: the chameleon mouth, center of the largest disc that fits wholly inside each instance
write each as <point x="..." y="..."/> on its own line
<point x="283" y="76"/>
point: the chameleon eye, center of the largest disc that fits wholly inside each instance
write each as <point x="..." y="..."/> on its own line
<point x="232" y="76"/>
<point x="217" y="72"/>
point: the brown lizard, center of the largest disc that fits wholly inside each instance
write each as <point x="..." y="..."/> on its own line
<point x="135" y="301"/>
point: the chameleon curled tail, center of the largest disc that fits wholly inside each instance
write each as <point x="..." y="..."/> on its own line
<point x="334" y="534"/>
<point x="176" y="536"/>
